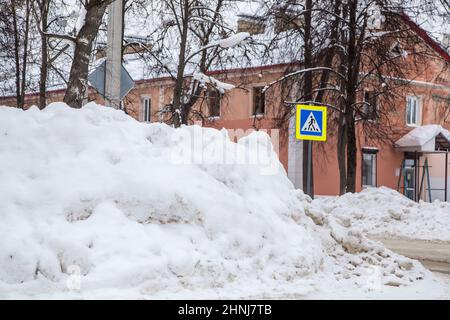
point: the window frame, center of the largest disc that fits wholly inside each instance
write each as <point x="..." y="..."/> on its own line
<point x="208" y="101"/>
<point x="418" y="111"/>
<point x="146" y="114"/>
<point x="373" y="116"/>
<point x="374" y="155"/>
<point x="253" y="101"/>
<point x="397" y="49"/>
<point x="252" y="24"/>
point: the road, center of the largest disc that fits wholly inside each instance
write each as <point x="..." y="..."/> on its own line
<point x="445" y="277"/>
<point x="434" y="255"/>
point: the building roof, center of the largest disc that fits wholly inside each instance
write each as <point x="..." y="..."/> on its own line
<point x="425" y="37"/>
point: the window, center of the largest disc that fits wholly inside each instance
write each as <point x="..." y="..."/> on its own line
<point x="397" y="50"/>
<point x="369" y="109"/>
<point x="369" y="168"/>
<point x="251" y="24"/>
<point x="412" y="110"/>
<point x="146" y="109"/>
<point x="213" y="101"/>
<point x="259" y="101"/>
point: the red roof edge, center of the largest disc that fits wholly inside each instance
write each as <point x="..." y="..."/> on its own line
<point x="425" y="36"/>
<point x="221" y="71"/>
<point x="32" y="94"/>
<point x="416" y="28"/>
<point x="141" y="81"/>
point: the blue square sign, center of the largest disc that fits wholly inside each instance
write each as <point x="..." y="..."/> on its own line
<point x="311" y="123"/>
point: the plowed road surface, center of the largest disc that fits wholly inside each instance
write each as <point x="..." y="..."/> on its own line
<point x="434" y="255"/>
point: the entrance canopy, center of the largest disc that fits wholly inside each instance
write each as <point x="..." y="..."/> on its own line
<point x="427" y="138"/>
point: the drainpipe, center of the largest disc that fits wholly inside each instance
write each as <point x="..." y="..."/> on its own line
<point x="446" y="175"/>
<point x="416" y="176"/>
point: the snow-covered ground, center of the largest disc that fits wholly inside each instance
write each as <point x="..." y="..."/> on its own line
<point x="385" y="212"/>
<point x="94" y="204"/>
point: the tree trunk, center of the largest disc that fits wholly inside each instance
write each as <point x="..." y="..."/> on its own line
<point x="83" y="47"/>
<point x="16" y="53"/>
<point x="342" y="130"/>
<point x="25" y="54"/>
<point x="307" y="95"/>
<point x="341" y="138"/>
<point x="341" y="156"/>
<point x="351" y="157"/>
<point x="44" y="55"/>
<point x="179" y="114"/>
<point x="330" y="53"/>
<point x="352" y="79"/>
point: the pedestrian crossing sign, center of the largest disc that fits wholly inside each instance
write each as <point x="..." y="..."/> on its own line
<point x="311" y="123"/>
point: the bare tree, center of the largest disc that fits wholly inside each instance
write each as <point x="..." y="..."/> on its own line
<point x="82" y="37"/>
<point x="370" y="45"/>
<point x="43" y="6"/>
<point x="15" y="27"/>
<point x="77" y="84"/>
<point x="307" y="25"/>
<point x="375" y="47"/>
<point x="186" y="44"/>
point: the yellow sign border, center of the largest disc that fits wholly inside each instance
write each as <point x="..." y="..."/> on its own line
<point x="300" y="136"/>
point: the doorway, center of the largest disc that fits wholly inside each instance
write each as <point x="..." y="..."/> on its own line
<point x="409" y="181"/>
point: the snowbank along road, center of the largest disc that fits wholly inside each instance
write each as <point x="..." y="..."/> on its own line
<point x="94" y="204"/>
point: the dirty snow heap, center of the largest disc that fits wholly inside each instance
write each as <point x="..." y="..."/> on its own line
<point x="95" y="204"/>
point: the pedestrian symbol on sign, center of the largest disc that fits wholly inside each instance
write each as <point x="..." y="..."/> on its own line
<point x="311" y="123"/>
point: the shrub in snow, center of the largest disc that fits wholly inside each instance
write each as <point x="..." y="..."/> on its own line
<point x="95" y="191"/>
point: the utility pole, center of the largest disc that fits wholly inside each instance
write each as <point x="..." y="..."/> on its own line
<point x="114" y="54"/>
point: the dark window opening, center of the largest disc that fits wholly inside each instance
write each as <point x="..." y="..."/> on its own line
<point x="369" y="109"/>
<point x="146" y="109"/>
<point x="213" y="98"/>
<point x="259" y="101"/>
<point x="251" y="24"/>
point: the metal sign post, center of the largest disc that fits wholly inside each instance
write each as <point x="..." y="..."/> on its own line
<point x="114" y="54"/>
<point x="309" y="189"/>
<point x="311" y="125"/>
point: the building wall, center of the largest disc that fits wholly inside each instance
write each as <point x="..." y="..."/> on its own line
<point x="431" y="83"/>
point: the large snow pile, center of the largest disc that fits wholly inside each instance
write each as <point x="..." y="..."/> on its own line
<point x="385" y="212"/>
<point x="96" y="204"/>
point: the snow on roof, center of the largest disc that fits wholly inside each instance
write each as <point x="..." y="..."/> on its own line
<point x="420" y="137"/>
<point x="231" y="41"/>
<point x="435" y="22"/>
<point x="428" y="37"/>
